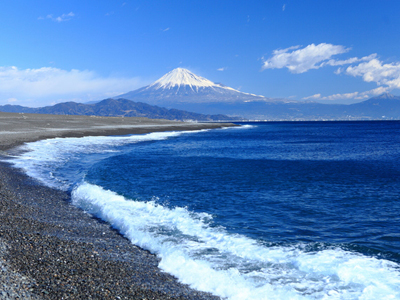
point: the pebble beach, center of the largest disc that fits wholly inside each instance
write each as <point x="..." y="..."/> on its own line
<point x="50" y="249"/>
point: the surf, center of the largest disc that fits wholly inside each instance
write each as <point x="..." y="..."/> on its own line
<point x="193" y="244"/>
<point x="234" y="266"/>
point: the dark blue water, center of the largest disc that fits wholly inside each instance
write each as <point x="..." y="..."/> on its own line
<point x="294" y="210"/>
<point x="330" y="182"/>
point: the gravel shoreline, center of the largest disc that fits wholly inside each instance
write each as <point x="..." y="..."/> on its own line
<point x="50" y="249"/>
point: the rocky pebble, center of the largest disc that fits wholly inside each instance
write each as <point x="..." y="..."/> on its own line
<point x="50" y="249"/>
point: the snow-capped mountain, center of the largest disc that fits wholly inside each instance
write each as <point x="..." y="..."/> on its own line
<point x="181" y="77"/>
<point x="182" y="95"/>
<point x="181" y="89"/>
<point x="182" y="86"/>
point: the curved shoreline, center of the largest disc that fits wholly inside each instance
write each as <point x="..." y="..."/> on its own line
<point x="16" y="129"/>
<point x="50" y="249"/>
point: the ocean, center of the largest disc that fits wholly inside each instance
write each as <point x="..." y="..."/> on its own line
<point x="274" y="210"/>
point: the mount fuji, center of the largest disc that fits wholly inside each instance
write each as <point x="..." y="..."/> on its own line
<point x="181" y="89"/>
<point x="184" y="90"/>
<point x="182" y="86"/>
<point x="182" y="95"/>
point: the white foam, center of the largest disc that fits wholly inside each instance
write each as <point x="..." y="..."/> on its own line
<point x="233" y="266"/>
<point x="208" y="257"/>
<point x="246" y="126"/>
<point x="42" y="158"/>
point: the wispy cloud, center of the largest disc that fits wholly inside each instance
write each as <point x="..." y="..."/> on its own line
<point x="313" y="97"/>
<point x="370" y="68"/>
<point x="283" y="7"/>
<point x="378" y="72"/>
<point x="221" y="69"/>
<point x="12" y="100"/>
<point x="302" y="60"/>
<point x="62" y="18"/>
<point x="37" y="86"/>
<point x="352" y="60"/>
<point x="346" y="96"/>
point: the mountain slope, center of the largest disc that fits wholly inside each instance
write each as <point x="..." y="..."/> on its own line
<point x="378" y="108"/>
<point x="381" y="107"/>
<point x="182" y="86"/>
<point x="116" y="108"/>
<point x="187" y="96"/>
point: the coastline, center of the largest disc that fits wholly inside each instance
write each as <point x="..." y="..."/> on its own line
<point x="50" y="249"/>
<point x="19" y="128"/>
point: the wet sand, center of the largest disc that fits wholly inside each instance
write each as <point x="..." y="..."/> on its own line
<point x="50" y="249"/>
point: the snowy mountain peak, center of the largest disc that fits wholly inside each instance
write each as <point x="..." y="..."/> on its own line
<point x="179" y="77"/>
<point x="182" y="86"/>
<point x="386" y="96"/>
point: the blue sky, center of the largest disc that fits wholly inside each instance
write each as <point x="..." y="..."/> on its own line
<point x="326" y="51"/>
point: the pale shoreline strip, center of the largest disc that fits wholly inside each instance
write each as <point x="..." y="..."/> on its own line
<point x="52" y="250"/>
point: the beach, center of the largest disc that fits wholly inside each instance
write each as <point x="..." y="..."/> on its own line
<point x="50" y="249"/>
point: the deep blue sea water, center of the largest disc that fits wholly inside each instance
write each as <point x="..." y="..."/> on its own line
<point x="279" y="210"/>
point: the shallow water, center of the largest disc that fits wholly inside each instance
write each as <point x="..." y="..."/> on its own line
<point x="297" y="210"/>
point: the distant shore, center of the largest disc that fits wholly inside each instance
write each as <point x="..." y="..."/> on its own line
<point x="18" y="128"/>
<point x="50" y="249"/>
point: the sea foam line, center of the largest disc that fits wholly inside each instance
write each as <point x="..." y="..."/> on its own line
<point x="234" y="266"/>
<point x="42" y="158"/>
<point x="206" y="257"/>
<point x="39" y="159"/>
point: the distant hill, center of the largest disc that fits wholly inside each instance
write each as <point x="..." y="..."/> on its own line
<point x="182" y="95"/>
<point x="184" y="90"/>
<point x="117" y="108"/>
<point x="384" y="107"/>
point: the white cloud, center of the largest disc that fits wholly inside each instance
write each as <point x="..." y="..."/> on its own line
<point x="355" y="95"/>
<point x="313" y="97"/>
<point x="386" y="76"/>
<point x="338" y="71"/>
<point x="375" y="71"/>
<point x="378" y="91"/>
<point x="221" y="69"/>
<point x="283" y="7"/>
<point x="369" y="68"/>
<point x="62" y="18"/>
<point x="333" y="62"/>
<point x="301" y="60"/>
<point x="37" y="87"/>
